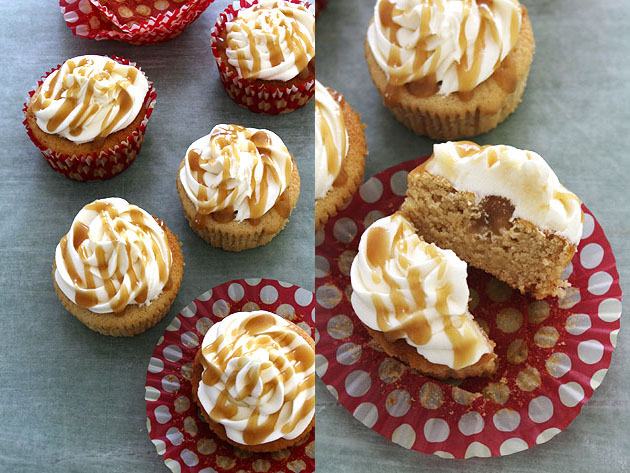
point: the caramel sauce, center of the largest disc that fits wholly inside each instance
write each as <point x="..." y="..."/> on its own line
<point x="496" y="213"/>
<point x="505" y="77"/>
<point x="224" y="216"/>
<point x="424" y="87"/>
<point x="258" y="331"/>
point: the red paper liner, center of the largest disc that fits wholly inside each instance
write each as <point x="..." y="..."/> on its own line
<point x="319" y="6"/>
<point x="95" y="166"/>
<point x="256" y="95"/>
<point x="173" y="419"/>
<point x="93" y="20"/>
<point x="568" y="342"/>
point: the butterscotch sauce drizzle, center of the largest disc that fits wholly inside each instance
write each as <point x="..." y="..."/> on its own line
<point x="419" y="75"/>
<point x="87" y="100"/>
<point x="401" y="312"/>
<point x="279" y="29"/>
<point x="227" y="145"/>
<point x="116" y="261"/>
<point x="248" y="382"/>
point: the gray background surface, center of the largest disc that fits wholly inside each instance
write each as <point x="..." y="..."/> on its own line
<point x="575" y="114"/>
<point x="72" y="400"/>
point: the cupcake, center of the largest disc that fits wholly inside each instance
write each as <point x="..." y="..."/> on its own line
<point x="452" y="69"/>
<point x="131" y="21"/>
<point x="118" y="269"/>
<point x="340" y="151"/>
<point x="265" y="52"/>
<point x="89" y="116"/>
<point x="413" y="298"/>
<point x="238" y="186"/>
<point x="254" y="381"/>
<point x="501" y="209"/>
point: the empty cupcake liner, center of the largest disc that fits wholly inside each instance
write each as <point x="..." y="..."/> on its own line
<point x="96" y="166"/>
<point x="258" y="96"/>
<point x="145" y="22"/>
<point x="173" y="419"/>
<point x="553" y="353"/>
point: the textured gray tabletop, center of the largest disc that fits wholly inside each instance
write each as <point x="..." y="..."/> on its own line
<point x="72" y="400"/>
<point x="575" y="114"/>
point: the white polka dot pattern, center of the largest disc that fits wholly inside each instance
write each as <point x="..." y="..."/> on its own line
<point x="558" y="348"/>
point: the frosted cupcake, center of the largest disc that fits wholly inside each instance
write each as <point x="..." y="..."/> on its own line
<point x="88" y="117"/>
<point x="340" y="151"/>
<point x="254" y="380"/>
<point x="450" y="69"/>
<point x="265" y="52"/>
<point x="238" y="186"/>
<point x="118" y="269"/>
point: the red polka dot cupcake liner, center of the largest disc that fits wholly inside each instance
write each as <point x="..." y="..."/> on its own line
<point x="174" y="422"/>
<point x="553" y="353"/>
<point x="96" y="166"/>
<point x="258" y="96"/>
<point x="136" y="22"/>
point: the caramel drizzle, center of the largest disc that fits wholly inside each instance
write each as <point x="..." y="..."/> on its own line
<point x="334" y="154"/>
<point x="422" y="72"/>
<point x="116" y="226"/>
<point x="86" y="107"/>
<point x="288" y="353"/>
<point x="219" y="202"/>
<point x="409" y="315"/>
<point x="297" y="41"/>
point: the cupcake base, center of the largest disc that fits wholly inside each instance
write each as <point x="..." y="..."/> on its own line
<point x="250" y="233"/>
<point x="461" y="115"/>
<point x="218" y="428"/>
<point x="134" y="319"/>
<point x="352" y="167"/>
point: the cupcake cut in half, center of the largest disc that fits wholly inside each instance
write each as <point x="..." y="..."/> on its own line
<point x="340" y="151"/>
<point x="265" y="52"/>
<point x="450" y="69"/>
<point x="254" y="380"/>
<point x="88" y="117"/>
<point x="238" y="186"/>
<point x="413" y="298"/>
<point x="118" y="269"/>
<point x="499" y="208"/>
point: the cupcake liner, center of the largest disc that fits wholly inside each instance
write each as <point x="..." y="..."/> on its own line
<point x="173" y="419"/>
<point x="148" y="23"/>
<point x="552" y="354"/>
<point x="258" y="96"/>
<point x="95" y="166"/>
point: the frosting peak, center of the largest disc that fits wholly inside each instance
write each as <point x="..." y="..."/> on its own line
<point x="115" y="254"/>
<point x="271" y="40"/>
<point x="523" y="177"/>
<point x="258" y="379"/>
<point x="415" y="291"/>
<point x="331" y="140"/>
<point x="90" y="97"/>
<point x="453" y="44"/>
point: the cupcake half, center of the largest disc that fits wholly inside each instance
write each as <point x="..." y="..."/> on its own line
<point x="340" y="151"/>
<point x="254" y="380"/>
<point x="88" y="117"/>
<point x="265" y="52"/>
<point x="501" y="209"/>
<point x="413" y="298"/>
<point x="118" y="269"/>
<point x="451" y="69"/>
<point x="238" y="186"/>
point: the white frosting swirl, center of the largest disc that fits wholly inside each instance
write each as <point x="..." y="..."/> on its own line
<point x="272" y="40"/>
<point x="244" y="169"/>
<point x="258" y="379"/>
<point x="461" y="42"/>
<point x="522" y="177"/>
<point x="90" y="97"/>
<point x="415" y="291"/>
<point x="115" y="254"/>
<point x="331" y="140"/>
